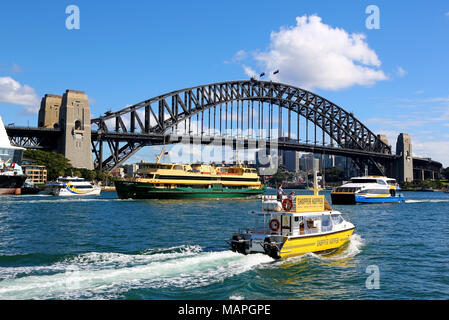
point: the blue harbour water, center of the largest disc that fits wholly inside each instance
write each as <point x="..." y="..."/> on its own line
<point x="106" y="248"/>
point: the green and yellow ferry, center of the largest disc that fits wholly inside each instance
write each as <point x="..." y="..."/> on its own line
<point x="182" y="181"/>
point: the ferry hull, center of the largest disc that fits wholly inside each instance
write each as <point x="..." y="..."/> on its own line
<point x="367" y="199"/>
<point x="320" y="243"/>
<point x="343" y="198"/>
<point x="140" y="190"/>
<point x="352" y="198"/>
<point x="11" y="184"/>
<point x="67" y="192"/>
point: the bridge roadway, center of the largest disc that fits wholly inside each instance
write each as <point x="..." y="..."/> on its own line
<point x="44" y="138"/>
<point x="34" y="137"/>
<point x="51" y="135"/>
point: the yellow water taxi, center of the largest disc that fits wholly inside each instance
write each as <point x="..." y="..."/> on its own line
<point x="293" y="227"/>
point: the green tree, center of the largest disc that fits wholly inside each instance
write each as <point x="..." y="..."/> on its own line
<point x="56" y="164"/>
<point x="278" y="177"/>
<point x="334" y="175"/>
<point x="445" y="173"/>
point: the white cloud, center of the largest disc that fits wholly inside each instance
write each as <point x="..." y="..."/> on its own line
<point x="312" y="54"/>
<point x="401" y="72"/>
<point x="250" y="72"/>
<point x="425" y="120"/>
<point x="12" y="92"/>
<point x="238" y="57"/>
<point x="16" y="68"/>
<point x="437" y="150"/>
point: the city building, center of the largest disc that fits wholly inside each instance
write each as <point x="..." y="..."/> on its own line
<point x="130" y="169"/>
<point x="118" y="172"/>
<point x="291" y="160"/>
<point x="35" y="173"/>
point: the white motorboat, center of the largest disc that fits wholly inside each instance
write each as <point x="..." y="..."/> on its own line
<point x="71" y="186"/>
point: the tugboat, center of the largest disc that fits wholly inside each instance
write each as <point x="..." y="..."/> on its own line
<point x="190" y="181"/>
<point x="293" y="227"/>
<point x="368" y="189"/>
<point x="29" y="188"/>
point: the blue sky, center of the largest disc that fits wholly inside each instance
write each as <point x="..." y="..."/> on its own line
<point x="129" y="51"/>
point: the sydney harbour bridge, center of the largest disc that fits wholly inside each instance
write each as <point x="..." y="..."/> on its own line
<point x="248" y="114"/>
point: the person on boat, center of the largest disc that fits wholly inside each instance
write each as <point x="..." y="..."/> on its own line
<point x="280" y="192"/>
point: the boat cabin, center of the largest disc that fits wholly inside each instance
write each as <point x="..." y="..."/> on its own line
<point x="305" y="215"/>
<point x="290" y="224"/>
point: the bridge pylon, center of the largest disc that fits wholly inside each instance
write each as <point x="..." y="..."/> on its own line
<point x="404" y="164"/>
<point x="49" y="111"/>
<point x="74" y="120"/>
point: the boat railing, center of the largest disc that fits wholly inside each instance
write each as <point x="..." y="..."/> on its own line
<point x="271" y="203"/>
<point x="265" y="231"/>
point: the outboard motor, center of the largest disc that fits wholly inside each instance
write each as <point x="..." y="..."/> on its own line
<point x="271" y="249"/>
<point x="239" y="244"/>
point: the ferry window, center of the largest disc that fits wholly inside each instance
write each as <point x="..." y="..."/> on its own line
<point x="326" y="223"/>
<point x="336" y="218"/>
<point x="392" y="182"/>
<point x="364" y="180"/>
<point x="375" y="191"/>
<point x="312" y="225"/>
<point x="381" y="182"/>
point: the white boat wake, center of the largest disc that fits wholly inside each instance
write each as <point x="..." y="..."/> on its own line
<point x="427" y="200"/>
<point x="106" y="275"/>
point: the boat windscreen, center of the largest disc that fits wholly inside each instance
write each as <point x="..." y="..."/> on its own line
<point x="359" y="180"/>
<point x="336" y="219"/>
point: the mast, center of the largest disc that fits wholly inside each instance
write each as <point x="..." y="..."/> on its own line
<point x="159" y="157"/>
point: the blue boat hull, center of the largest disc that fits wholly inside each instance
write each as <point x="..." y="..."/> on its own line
<point x="390" y="199"/>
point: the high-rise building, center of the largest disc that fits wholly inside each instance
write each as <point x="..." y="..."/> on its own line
<point x="291" y="160"/>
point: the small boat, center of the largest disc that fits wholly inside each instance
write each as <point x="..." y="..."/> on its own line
<point x="368" y="189"/>
<point x="293" y="227"/>
<point x="71" y="186"/>
<point x="29" y="188"/>
<point x="190" y="181"/>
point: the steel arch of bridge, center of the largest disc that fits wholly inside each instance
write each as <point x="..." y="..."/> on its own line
<point x="157" y="116"/>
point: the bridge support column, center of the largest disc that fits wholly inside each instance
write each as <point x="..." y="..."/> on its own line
<point x="100" y="157"/>
<point x="404" y="165"/>
<point x="74" y="120"/>
<point x="49" y="111"/>
<point x="421" y="174"/>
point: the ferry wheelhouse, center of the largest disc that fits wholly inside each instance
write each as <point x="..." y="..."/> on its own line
<point x="72" y="186"/>
<point x="369" y="189"/>
<point x="293" y="227"/>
